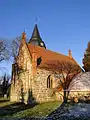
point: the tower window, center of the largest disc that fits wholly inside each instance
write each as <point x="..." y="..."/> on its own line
<point x="49" y="82"/>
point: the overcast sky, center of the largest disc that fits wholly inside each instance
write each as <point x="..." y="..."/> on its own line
<point x="63" y="24"/>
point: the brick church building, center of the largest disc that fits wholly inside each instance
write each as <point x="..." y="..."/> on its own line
<point x="30" y="80"/>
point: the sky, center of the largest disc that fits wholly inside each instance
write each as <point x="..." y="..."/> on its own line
<point x="63" y="24"/>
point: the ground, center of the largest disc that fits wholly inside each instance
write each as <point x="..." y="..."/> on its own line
<point x="44" y="111"/>
<point x="71" y="111"/>
<point x="20" y="110"/>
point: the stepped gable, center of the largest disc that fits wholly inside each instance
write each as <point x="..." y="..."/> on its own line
<point x="47" y="56"/>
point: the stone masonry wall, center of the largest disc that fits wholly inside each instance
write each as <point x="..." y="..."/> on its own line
<point x="39" y="87"/>
<point x="22" y="80"/>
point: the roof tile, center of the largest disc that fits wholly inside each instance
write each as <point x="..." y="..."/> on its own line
<point x="47" y="55"/>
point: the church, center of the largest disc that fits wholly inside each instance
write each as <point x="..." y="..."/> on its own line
<point x="31" y="81"/>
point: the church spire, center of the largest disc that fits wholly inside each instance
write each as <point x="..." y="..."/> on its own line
<point x="36" y="39"/>
<point x="35" y="33"/>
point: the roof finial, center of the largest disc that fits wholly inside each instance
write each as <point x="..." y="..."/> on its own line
<point x="25" y="30"/>
<point x="24" y="35"/>
<point x="69" y="53"/>
<point x="36" y="20"/>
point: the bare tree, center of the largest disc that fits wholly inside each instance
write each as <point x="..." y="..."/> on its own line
<point x="15" y="47"/>
<point x="4" y="52"/>
<point x="67" y="71"/>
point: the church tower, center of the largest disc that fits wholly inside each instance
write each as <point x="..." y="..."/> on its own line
<point x="36" y="39"/>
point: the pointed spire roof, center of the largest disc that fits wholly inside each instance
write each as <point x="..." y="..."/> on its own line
<point x="35" y="33"/>
<point x="35" y="38"/>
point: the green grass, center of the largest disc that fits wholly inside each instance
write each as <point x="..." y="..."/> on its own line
<point x="5" y="99"/>
<point x="19" y="110"/>
<point x="43" y="109"/>
<point x="4" y="102"/>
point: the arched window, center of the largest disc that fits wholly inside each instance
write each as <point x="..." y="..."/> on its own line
<point x="49" y="82"/>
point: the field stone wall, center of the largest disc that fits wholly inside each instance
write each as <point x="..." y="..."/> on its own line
<point x="39" y="87"/>
<point x="23" y="78"/>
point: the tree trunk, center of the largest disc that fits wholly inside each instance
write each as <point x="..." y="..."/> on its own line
<point x="65" y="96"/>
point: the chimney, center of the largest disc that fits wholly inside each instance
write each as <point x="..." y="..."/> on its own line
<point x="69" y="53"/>
<point x="34" y="61"/>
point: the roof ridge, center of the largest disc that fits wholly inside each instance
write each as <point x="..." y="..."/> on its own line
<point x="50" y="51"/>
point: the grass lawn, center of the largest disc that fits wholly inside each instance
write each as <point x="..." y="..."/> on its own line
<point x="18" y="110"/>
<point x="43" y="109"/>
<point x="79" y="111"/>
<point x="4" y="102"/>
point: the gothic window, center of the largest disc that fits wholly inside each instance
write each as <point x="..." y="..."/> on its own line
<point x="39" y="60"/>
<point x="49" y="82"/>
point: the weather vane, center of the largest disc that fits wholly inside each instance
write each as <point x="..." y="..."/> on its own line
<point x="24" y="30"/>
<point x="36" y="20"/>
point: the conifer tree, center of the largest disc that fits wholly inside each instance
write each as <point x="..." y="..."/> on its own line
<point x="5" y="84"/>
<point x="86" y="59"/>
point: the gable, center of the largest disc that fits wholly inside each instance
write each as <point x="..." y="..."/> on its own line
<point x="24" y="56"/>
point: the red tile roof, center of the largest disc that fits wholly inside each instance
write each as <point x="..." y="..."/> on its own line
<point x="47" y="55"/>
